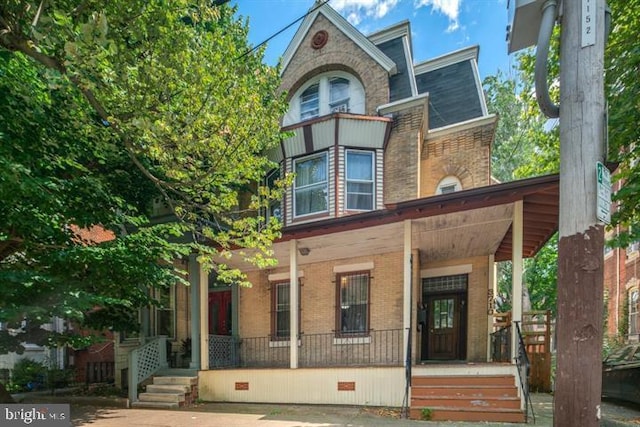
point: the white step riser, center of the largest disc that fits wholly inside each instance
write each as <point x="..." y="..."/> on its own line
<point x="162" y="397"/>
<point x="156" y="388"/>
<point x="162" y="405"/>
<point x="189" y="381"/>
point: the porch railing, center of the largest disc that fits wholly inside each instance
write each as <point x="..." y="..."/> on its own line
<point x="523" y="367"/>
<point x="144" y="361"/>
<point x="380" y="347"/>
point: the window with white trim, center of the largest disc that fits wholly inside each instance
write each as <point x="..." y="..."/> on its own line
<point x="311" y="185"/>
<point x="448" y="184"/>
<point x="360" y="180"/>
<point x="352" y="314"/>
<point x="339" y="95"/>
<point x="309" y="103"/>
<point x="326" y="93"/>
<point x="165" y="312"/>
<point x="634" y="308"/>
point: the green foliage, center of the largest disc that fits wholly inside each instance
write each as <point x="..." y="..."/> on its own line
<point x="622" y="62"/>
<point x="28" y="375"/>
<point x="426" y="414"/>
<point x="107" y="109"/>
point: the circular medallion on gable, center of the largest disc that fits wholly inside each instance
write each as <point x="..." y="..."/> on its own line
<point x="319" y="39"/>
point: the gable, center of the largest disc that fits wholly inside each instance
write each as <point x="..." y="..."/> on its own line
<point x="343" y="26"/>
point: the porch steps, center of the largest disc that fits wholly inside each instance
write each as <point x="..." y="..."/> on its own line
<point x="492" y="398"/>
<point x="168" y="392"/>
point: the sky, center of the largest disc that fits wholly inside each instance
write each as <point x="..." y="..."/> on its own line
<point x="437" y="26"/>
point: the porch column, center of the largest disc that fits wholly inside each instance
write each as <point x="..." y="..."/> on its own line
<point x="293" y="304"/>
<point x="203" y="347"/>
<point x="516" y="291"/>
<point x="492" y="290"/>
<point x="194" y="283"/>
<point x="407" y="276"/>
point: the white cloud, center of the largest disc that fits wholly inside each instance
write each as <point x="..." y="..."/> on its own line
<point x="357" y="10"/>
<point x="450" y="8"/>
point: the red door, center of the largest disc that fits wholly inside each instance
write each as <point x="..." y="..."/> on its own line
<point x="220" y="313"/>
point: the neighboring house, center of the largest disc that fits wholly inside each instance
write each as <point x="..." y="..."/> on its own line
<point x="392" y="229"/>
<point x="622" y="288"/>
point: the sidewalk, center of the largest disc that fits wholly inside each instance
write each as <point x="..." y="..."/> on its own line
<point x="105" y="413"/>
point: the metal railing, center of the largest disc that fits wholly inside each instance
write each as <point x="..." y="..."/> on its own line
<point x="523" y="367"/>
<point x="144" y="361"/>
<point x="501" y="345"/>
<point x="377" y="348"/>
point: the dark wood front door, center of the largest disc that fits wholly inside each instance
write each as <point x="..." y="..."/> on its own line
<point x="444" y="333"/>
<point x="220" y="312"/>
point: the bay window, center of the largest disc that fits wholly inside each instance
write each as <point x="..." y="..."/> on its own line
<point x="311" y="185"/>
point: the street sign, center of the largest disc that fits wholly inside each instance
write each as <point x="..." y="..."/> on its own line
<point x="603" y="209"/>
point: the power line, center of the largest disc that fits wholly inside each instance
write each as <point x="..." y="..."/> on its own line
<point x="284" y="29"/>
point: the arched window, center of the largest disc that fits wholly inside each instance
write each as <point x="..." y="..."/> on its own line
<point x="327" y="93"/>
<point x="448" y="184"/>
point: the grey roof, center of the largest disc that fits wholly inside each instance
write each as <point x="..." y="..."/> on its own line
<point x="453" y="94"/>
<point x="399" y="83"/>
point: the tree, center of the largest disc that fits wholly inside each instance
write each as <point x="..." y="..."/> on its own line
<point x="526" y="145"/>
<point x="622" y="64"/>
<point x="107" y="108"/>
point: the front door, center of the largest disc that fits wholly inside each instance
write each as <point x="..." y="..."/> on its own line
<point x="220" y="312"/>
<point x="444" y="326"/>
<point x="443" y="318"/>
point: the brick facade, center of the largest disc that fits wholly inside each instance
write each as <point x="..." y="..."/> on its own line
<point x="465" y="154"/>
<point x="340" y="53"/>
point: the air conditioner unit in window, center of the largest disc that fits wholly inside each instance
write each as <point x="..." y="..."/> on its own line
<point x="340" y="108"/>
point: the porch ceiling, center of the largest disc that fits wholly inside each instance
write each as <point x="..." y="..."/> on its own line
<point x="469" y="223"/>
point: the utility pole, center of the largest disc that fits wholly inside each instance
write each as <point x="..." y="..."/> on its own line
<point x="580" y="255"/>
<point x="584" y="191"/>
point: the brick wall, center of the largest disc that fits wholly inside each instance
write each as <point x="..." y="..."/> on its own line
<point x="465" y="154"/>
<point x="318" y="296"/>
<point x="401" y="156"/>
<point x="340" y="53"/>
<point x="318" y="299"/>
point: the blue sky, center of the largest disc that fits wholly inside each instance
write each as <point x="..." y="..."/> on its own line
<point x="437" y="26"/>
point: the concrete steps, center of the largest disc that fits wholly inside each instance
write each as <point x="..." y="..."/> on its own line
<point x="168" y="392"/>
<point x="492" y="398"/>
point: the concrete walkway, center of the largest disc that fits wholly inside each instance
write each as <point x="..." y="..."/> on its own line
<point x="103" y="412"/>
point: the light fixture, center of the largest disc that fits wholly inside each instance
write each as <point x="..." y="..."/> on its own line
<point x="304" y="251"/>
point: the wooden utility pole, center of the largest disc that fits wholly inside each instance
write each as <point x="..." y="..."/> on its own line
<point x="580" y="256"/>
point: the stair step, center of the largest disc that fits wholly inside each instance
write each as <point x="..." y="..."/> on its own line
<point x="463" y="380"/>
<point x="168" y="388"/>
<point x="162" y="405"/>
<point x="469" y="414"/>
<point x="466" y="402"/>
<point x="162" y="397"/>
<point x="175" y="381"/>
<point x="470" y="391"/>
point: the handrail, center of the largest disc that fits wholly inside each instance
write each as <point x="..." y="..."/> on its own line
<point x="407" y="378"/>
<point x="144" y="361"/>
<point x="523" y="364"/>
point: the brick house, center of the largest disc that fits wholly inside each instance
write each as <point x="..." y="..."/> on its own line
<point x="621" y="288"/>
<point x="391" y="232"/>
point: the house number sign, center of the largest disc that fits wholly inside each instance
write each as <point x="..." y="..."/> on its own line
<point x="588" y="23"/>
<point x="490" y="304"/>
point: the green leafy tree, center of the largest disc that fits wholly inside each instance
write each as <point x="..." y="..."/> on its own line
<point x="107" y="108"/>
<point x="622" y="63"/>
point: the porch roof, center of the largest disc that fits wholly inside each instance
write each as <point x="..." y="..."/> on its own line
<point x="466" y="223"/>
